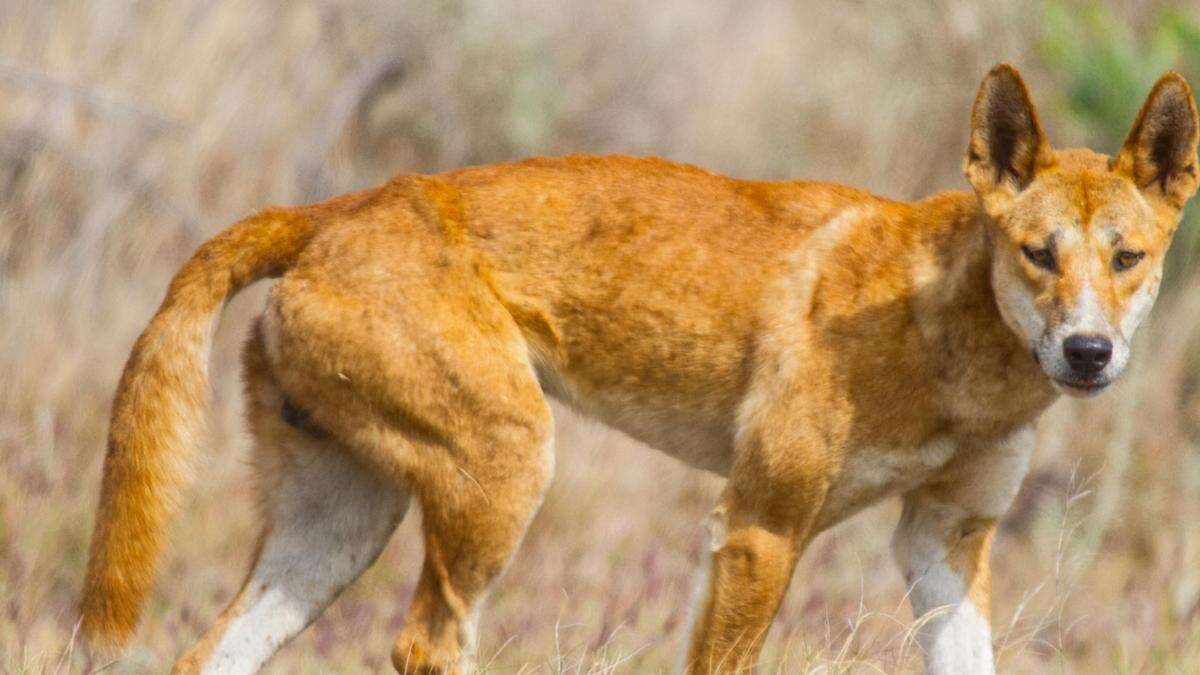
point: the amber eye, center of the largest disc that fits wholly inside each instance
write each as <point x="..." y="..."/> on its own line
<point x="1124" y="260"/>
<point x="1041" y="257"/>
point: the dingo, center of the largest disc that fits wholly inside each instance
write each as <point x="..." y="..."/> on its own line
<point x="821" y="347"/>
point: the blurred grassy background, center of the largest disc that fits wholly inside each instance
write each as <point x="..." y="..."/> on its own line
<point x="130" y="132"/>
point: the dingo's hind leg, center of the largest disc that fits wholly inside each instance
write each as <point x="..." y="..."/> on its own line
<point x="326" y="520"/>
<point x="427" y="378"/>
<point x="474" y="515"/>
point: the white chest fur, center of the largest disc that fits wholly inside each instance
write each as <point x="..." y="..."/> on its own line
<point x="871" y="473"/>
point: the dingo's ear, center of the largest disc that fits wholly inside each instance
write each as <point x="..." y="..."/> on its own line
<point x="1159" y="154"/>
<point x="1007" y="145"/>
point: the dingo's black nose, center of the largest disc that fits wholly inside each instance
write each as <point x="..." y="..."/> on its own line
<point x="1087" y="354"/>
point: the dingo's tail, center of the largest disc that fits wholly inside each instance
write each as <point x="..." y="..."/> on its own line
<point x="158" y="416"/>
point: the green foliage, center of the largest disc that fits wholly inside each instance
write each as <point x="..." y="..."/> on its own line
<point x="1106" y="69"/>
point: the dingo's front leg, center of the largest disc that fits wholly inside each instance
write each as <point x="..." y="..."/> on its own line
<point x="942" y="544"/>
<point x="758" y="532"/>
<point x="750" y="569"/>
<point x="944" y="553"/>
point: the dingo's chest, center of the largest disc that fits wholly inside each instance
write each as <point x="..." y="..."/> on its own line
<point x="869" y="474"/>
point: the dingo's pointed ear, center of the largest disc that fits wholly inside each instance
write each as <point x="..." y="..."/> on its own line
<point x="1159" y="154"/>
<point x="1007" y="146"/>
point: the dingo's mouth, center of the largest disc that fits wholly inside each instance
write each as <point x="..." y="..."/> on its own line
<point x="1081" y="388"/>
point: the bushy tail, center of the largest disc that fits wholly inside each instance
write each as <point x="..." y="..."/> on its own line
<point x="159" y="415"/>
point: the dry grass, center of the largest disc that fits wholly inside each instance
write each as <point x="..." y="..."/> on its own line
<point x="130" y="132"/>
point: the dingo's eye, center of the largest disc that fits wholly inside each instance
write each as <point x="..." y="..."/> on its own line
<point x="1040" y="257"/>
<point x="1124" y="260"/>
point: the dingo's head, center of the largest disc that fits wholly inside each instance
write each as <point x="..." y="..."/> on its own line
<point x="1078" y="239"/>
